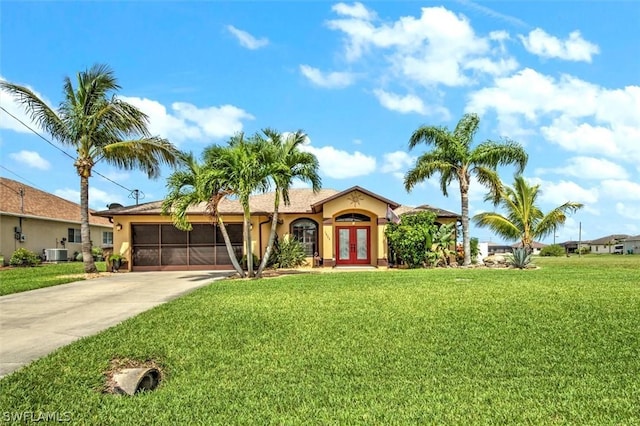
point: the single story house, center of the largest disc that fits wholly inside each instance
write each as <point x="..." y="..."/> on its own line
<point x="43" y="222"/>
<point x="335" y="227"/>
<point x="631" y="245"/>
<point x="607" y="245"/>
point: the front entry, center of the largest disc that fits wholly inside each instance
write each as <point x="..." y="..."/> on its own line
<point x="352" y="245"/>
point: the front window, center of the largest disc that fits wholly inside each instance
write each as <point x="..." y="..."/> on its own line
<point x="306" y="231"/>
<point x="107" y="238"/>
<point x="74" y="235"/>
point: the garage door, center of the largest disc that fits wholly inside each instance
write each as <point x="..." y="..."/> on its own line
<point x="164" y="247"/>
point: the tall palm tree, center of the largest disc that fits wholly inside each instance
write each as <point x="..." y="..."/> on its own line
<point x="286" y="163"/>
<point x="244" y="163"/>
<point x="523" y="219"/>
<point x="99" y="127"/>
<point x="453" y="158"/>
<point x="193" y="185"/>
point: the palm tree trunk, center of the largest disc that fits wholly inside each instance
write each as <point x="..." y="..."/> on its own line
<point x="272" y="234"/>
<point x="466" y="242"/>
<point x="227" y="243"/>
<point x="247" y="230"/>
<point x="85" y="231"/>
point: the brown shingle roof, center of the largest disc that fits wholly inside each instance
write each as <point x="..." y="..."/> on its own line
<point x="37" y="203"/>
<point x="301" y="201"/>
<point x="319" y="204"/>
<point x="609" y="239"/>
<point x="425" y="208"/>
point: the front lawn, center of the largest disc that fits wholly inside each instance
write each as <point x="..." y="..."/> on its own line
<point x="15" y="280"/>
<point x="556" y="345"/>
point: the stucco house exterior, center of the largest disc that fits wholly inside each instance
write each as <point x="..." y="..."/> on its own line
<point x="37" y="220"/>
<point x="607" y="245"/>
<point x="336" y="227"/>
<point x="631" y="245"/>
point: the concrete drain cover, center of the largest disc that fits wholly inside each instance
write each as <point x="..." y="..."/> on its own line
<point x="130" y="381"/>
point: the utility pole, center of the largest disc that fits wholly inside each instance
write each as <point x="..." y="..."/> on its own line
<point x="580" y="240"/>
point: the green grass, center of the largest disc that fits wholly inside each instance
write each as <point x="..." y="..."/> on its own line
<point x="15" y="280"/>
<point x="556" y="345"/>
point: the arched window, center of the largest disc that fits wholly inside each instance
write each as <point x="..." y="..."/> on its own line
<point x="306" y="231"/>
<point x="353" y="217"/>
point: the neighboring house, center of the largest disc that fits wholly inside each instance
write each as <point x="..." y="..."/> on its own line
<point x="536" y="246"/>
<point x="337" y="228"/>
<point x="571" y="247"/>
<point x="36" y="220"/>
<point x="631" y="245"/>
<point x="495" y="248"/>
<point x="607" y="245"/>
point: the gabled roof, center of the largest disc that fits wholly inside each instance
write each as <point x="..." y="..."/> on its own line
<point x="633" y="238"/>
<point x="425" y="208"/>
<point x="609" y="239"/>
<point x="39" y="204"/>
<point x="316" y="206"/>
<point x="535" y="245"/>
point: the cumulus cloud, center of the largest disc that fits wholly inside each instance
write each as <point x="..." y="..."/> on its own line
<point x="628" y="211"/>
<point x="403" y="104"/>
<point x="185" y="121"/>
<point x="620" y="189"/>
<point x="576" y="115"/>
<point x="246" y="39"/>
<point x="9" y="103"/>
<point x="587" y="168"/>
<point x="438" y="47"/>
<point x="558" y="193"/>
<point x="356" y="10"/>
<point x="329" y="80"/>
<point x="98" y="198"/>
<point x="397" y="161"/>
<point x="574" y="48"/>
<point x="339" y="164"/>
<point x="30" y="159"/>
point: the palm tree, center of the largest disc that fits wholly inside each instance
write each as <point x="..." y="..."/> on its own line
<point x="193" y="185"/>
<point x="244" y="164"/>
<point x="287" y="163"/>
<point x="523" y="220"/>
<point x="99" y="127"/>
<point x="454" y="159"/>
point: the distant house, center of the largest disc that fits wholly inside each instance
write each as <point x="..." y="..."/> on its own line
<point x="607" y="245"/>
<point x="495" y="248"/>
<point x="571" y="247"/>
<point x="537" y="246"/>
<point x="36" y="220"/>
<point x="631" y="245"/>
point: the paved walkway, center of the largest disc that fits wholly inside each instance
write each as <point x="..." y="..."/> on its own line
<point x="34" y="323"/>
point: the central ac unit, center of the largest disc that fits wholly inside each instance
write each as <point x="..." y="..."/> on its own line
<point x="56" y="255"/>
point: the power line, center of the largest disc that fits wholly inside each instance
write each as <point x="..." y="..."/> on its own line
<point x="60" y="149"/>
<point x="24" y="179"/>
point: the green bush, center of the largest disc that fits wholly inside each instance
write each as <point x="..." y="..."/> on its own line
<point x="411" y="239"/>
<point x="289" y="254"/>
<point x="24" y="257"/>
<point x="243" y="261"/>
<point x="555" y="250"/>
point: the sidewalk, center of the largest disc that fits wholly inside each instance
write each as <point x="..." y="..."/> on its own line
<point x="35" y="323"/>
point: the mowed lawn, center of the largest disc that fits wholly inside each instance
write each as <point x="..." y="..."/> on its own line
<point x="555" y="345"/>
<point x="15" y="280"/>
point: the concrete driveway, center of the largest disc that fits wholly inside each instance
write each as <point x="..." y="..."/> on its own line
<point x="34" y="323"/>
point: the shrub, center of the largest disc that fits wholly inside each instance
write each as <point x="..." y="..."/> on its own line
<point x="555" y="250"/>
<point x="24" y="257"/>
<point x="243" y="261"/>
<point x="289" y="253"/>
<point x="520" y="258"/>
<point x="411" y="239"/>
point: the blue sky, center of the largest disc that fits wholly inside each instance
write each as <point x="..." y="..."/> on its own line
<point x="562" y="78"/>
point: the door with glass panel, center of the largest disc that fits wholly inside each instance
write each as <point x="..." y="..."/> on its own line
<point x="352" y="245"/>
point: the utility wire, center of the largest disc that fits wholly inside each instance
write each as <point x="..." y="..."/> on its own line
<point x="60" y="149"/>
<point x="24" y="179"/>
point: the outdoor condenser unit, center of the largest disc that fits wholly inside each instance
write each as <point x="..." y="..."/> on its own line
<point x="56" y="255"/>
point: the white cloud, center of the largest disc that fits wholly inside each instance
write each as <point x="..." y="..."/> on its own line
<point x="339" y="164"/>
<point x="397" y="161"/>
<point x="9" y="103"/>
<point x="30" y="159"/>
<point x="558" y="193"/>
<point x="185" y="121"/>
<point x="403" y="104"/>
<point x="588" y="168"/>
<point x="628" y="211"/>
<point x="620" y="189"/>
<point x="246" y="39"/>
<point x="438" y="47"/>
<point x="329" y="80"/>
<point x="98" y="198"/>
<point x="357" y="10"/>
<point x="575" y="48"/>
<point x="577" y="115"/>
